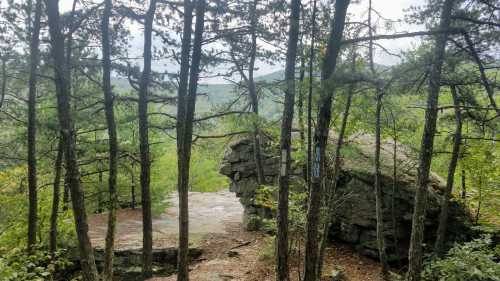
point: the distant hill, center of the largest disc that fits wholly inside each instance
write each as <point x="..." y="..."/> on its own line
<point x="216" y="95"/>
<point x="123" y="84"/>
<point x="272" y="77"/>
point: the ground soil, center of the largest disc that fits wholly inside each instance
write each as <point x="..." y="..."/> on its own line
<point x="246" y="256"/>
<point x="229" y="252"/>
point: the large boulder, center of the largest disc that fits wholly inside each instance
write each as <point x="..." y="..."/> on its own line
<point x="354" y="221"/>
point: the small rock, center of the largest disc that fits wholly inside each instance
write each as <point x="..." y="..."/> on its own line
<point x="336" y="275"/>
<point x="226" y="276"/>
<point x="232" y="253"/>
<point x="393" y="276"/>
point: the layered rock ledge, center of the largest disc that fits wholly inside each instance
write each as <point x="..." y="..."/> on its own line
<point x="354" y="221"/>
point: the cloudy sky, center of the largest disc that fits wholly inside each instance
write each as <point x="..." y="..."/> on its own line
<point x="390" y="9"/>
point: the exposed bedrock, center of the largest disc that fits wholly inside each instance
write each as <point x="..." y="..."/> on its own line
<point x="355" y="221"/>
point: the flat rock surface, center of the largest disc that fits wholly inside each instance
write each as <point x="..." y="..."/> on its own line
<point x="209" y="213"/>
<point x="228" y="251"/>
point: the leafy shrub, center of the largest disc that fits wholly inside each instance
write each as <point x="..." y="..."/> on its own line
<point x="265" y="196"/>
<point x="472" y="261"/>
<point x="269" y="250"/>
<point x="297" y="213"/>
<point x="14" y="213"/>
<point x="17" y="265"/>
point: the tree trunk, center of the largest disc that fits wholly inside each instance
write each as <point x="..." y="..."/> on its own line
<point x="3" y="87"/>
<point x="113" y="141"/>
<point x="480" y="201"/>
<point x="417" y="233"/>
<point x="132" y="191"/>
<point x="69" y="49"/>
<point x="394" y="187"/>
<point x="186" y="143"/>
<point x="32" y="176"/>
<point x="443" y="217"/>
<point x="55" y="198"/>
<point x="147" y="224"/>
<point x="321" y="138"/>
<point x="378" y="190"/>
<point x="66" y="191"/>
<point x="100" y="185"/>
<point x="69" y="46"/>
<point x="309" y="97"/>
<point x="87" y="261"/>
<point x="300" y="106"/>
<point x="336" y="169"/>
<point x="184" y="74"/>
<point x="379" y="201"/>
<point x="252" y="92"/>
<point x="182" y="184"/>
<point x="282" y="272"/>
<point x="463" y="194"/>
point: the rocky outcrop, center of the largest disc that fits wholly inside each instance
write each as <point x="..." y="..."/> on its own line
<point x="127" y="263"/>
<point x="239" y="165"/>
<point x="355" y="221"/>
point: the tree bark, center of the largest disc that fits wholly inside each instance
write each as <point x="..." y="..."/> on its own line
<point x="480" y="201"/>
<point x="3" y="87"/>
<point x="336" y="169"/>
<point x="182" y="185"/>
<point x="113" y="141"/>
<point x="463" y="194"/>
<point x="66" y="191"/>
<point x="184" y="74"/>
<point x="300" y="106"/>
<point x="443" y="217"/>
<point x="282" y="271"/>
<point x="321" y="138"/>
<point x="417" y="233"/>
<point x="87" y="261"/>
<point x="186" y="143"/>
<point x="69" y="48"/>
<point x="55" y="198"/>
<point x="394" y="186"/>
<point x="132" y="191"/>
<point x="309" y="97"/>
<point x="252" y="92"/>
<point x="379" y="201"/>
<point x="100" y="181"/>
<point x="32" y="163"/>
<point x="378" y="190"/>
<point x="147" y="224"/>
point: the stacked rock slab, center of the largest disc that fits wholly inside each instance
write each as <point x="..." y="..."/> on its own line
<point x="354" y="221"/>
<point x="239" y="165"/>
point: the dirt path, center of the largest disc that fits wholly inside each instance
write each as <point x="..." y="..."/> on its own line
<point x="247" y="256"/>
<point x="229" y="252"/>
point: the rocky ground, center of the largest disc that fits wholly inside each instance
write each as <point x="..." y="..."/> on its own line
<point x="245" y="256"/>
<point x="209" y="213"/>
<point x="228" y="251"/>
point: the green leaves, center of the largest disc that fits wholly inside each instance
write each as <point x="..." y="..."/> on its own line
<point x="471" y="261"/>
<point x="16" y="265"/>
